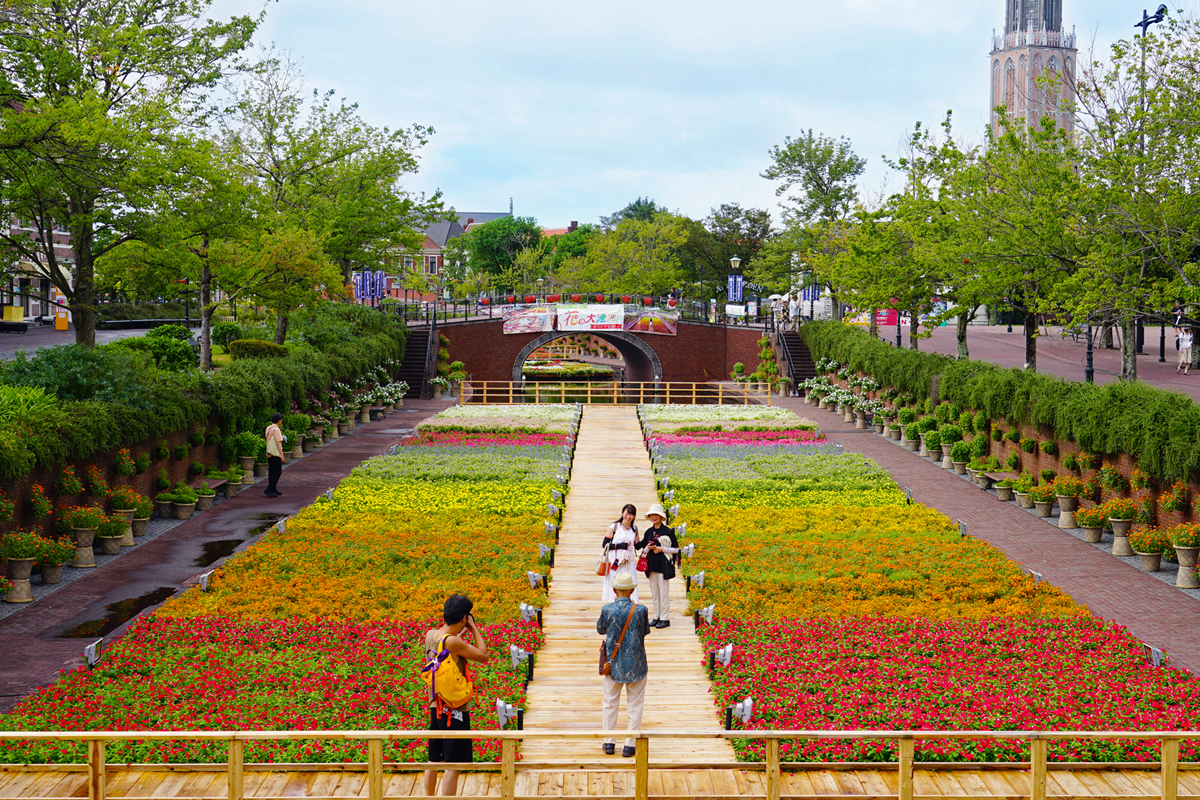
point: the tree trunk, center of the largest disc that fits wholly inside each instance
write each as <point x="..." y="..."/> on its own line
<point x="1030" y="341"/>
<point x="347" y="272"/>
<point x="207" y="309"/>
<point x="961" y="333"/>
<point x="1129" y="370"/>
<point x="912" y="330"/>
<point x="281" y="325"/>
<point x="874" y="322"/>
<point x="83" y="298"/>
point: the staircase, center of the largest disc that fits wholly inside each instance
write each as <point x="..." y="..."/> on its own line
<point x="798" y="357"/>
<point x="412" y="369"/>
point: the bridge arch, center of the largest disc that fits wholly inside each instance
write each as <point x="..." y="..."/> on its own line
<point x="641" y="362"/>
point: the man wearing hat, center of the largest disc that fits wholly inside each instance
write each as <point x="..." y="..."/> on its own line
<point x="625" y="624"/>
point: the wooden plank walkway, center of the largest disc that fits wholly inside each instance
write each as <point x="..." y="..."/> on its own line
<point x="611" y="468"/>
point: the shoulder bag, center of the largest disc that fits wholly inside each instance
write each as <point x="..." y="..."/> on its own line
<point x="602" y="562"/>
<point x="605" y="665"/>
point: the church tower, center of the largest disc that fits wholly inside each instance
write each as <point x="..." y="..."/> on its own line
<point x="1033" y="44"/>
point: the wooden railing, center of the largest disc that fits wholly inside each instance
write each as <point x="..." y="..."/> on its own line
<point x="97" y="768"/>
<point x="628" y="392"/>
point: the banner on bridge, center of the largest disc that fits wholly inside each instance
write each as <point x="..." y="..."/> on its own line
<point x="530" y="319"/>
<point x="660" y="321"/>
<point x="590" y="318"/>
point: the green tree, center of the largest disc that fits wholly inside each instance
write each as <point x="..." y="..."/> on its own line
<point x="642" y="209"/>
<point x="93" y="98"/>
<point x="492" y="247"/>
<point x="635" y="257"/>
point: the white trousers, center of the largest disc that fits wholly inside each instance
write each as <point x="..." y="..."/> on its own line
<point x="635" y="700"/>
<point x="660" y="594"/>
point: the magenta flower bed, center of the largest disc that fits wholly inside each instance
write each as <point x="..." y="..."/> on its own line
<point x="220" y="674"/>
<point x="1001" y="674"/>
<point x="742" y="437"/>
<point x="469" y="439"/>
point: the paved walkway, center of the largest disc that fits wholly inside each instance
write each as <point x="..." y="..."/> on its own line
<point x="611" y="468"/>
<point x="46" y="336"/>
<point x="1112" y="589"/>
<point x="177" y="558"/>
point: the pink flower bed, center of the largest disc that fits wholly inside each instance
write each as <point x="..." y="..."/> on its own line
<point x="742" y="437"/>
<point x="1000" y="674"/>
<point x="474" y="439"/>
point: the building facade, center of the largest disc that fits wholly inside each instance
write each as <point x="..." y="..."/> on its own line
<point x="1033" y="65"/>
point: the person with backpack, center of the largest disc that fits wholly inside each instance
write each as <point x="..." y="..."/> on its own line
<point x="661" y="549"/>
<point x="447" y="651"/>
<point x="625" y="625"/>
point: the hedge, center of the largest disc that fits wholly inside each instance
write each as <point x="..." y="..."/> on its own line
<point x="111" y="397"/>
<point x="256" y="348"/>
<point x="1158" y="428"/>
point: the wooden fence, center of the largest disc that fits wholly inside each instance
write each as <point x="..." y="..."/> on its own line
<point x="508" y="765"/>
<point x="627" y="393"/>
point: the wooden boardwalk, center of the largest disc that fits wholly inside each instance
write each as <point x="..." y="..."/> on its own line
<point x="611" y="468"/>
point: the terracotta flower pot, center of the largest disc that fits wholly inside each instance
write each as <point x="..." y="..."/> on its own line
<point x="1120" y="528"/>
<point x="184" y="510"/>
<point x="52" y="574"/>
<point x="960" y="467"/>
<point x="138" y="526"/>
<point x="1043" y="507"/>
<point x="110" y="545"/>
<point x="1004" y="493"/>
<point x="1067" y="503"/>
<point x="1023" y="500"/>
<point x="1092" y="535"/>
<point x="247" y="462"/>
<point x="260" y="470"/>
<point x="205" y="501"/>
<point x="1151" y="562"/>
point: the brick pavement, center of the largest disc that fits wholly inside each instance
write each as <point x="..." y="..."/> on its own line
<point x="34" y="653"/>
<point x="1153" y="611"/>
<point x="46" y="336"/>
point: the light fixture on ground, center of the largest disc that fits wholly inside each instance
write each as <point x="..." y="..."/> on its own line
<point x="91" y="653"/>
<point x="743" y="710"/>
<point x="721" y="656"/>
<point x="544" y="551"/>
<point x="531" y="613"/>
<point x="506" y="713"/>
<point x="705" y="614"/>
<point x="681" y="531"/>
<point x="689" y="550"/>
<point x="536" y="578"/>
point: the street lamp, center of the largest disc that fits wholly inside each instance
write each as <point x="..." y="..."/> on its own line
<point x="1145" y="23"/>
<point x="734" y="264"/>
<point x="540" y="283"/>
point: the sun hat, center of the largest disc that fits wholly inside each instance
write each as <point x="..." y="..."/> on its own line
<point x="657" y="509"/>
<point x="624" y="580"/>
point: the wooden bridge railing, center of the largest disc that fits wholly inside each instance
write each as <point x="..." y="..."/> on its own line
<point x="628" y="392"/>
<point x="508" y="765"/>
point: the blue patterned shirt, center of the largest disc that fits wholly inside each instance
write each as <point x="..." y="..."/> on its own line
<point x="630" y="664"/>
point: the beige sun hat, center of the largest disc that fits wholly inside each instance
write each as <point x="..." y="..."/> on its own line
<point x="657" y="509"/>
<point x="624" y="580"/>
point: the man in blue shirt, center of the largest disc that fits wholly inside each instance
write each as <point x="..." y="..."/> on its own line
<point x="627" y="660"/>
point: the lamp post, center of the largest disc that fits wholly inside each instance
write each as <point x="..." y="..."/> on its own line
<point x="1145" y="23"/>
<point x="1088" y="371"/>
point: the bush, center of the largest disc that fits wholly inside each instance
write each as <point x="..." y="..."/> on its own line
<point x="196" y="439"/>
<point x="933" y="441"/>
<point x="246" y="443"/>
<point x="225" y="332"/>
<point x="1047" y="475"/>
<point x="1013" y="462"/>
<point x="195" y="468"/>
<point x="161" y="451"/>
<point x="961" y="452"/>
<point x="111" y="527"/>
<point x="124" y="311"/>
<point x="1151" y="540"/>
<point x="981" y="423"/>
<point x="1049" y="447"/>
<point x="1185" y="535"/>
<point x="906" y="416"/>
<point x="181" y="452"/>
<point x="176" y="332"/>
<point x="20" y="544"/>
<point x="162" y="481"/>
<point x="979" y="446"/>
<point x="1092" y="517"/>
<point x="966" y="421"/>
<point x="125" y="498"/>
<point x="257" y="348"/>
<point x="168" y="353"/>
<point x="1122" y="508"/>
<point x="1029" y="445"/>
<point x="212" y="439"/>
<point x="997" y="435"/>
<point x="55" y="552"/>
<point x="950" y="434"/>
<point x="1071" y="462"/>
<point x="184" y="493"/>
<point x="1013" y="436"/>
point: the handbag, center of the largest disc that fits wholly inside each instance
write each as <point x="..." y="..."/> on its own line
<point x="605" y="665"/>
<point x="602" y="563"/>
<point x="642" y="564"/>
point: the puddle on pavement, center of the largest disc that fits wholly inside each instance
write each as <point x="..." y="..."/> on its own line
<point x="215" y="551"/>
<point x="269" y="520"/>
<point x="118" y="614"/>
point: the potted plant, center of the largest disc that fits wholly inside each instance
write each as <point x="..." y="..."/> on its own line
<point x="949" y="435"/>
<point x="1021" y="487"/>
<point x="1121" y="513"/>
<point x="960" y="454"/>
<point x="205" y="497"/>
<point x="141" y="515"/>
<point x="123" y="463"/>
<point x="20" y="549"/>
<point x="110" y="532"/>
<point x="1067" y="491"/>
<point x="457" y="374"/>
<point x="260" y="460"/>
<point x="1004" y="490"/>
<point x="68" y="484"/>
<point x="1186" y="540"/>
<point x="233" y="478"/>
<point x="125" y="503"/>
<point x="183" y="501"/>
<point x="739" y="370"/>
<point x="245" y="445"/>
<point x="974" y="467"/>
<point x="437" y="385"/>
<point x="785" y="385"/>
<point x="1092" y="522"/>
<point x="1043" y="498"/>
<point x="53" y="555"/>
<point x="1150" y="544"/>
<point x="933" y="445"/>
<point x="83" y="522"/>
<point x="39" y="503"/>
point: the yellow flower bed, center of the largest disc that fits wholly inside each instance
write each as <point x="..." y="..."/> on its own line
<point x="370" y="496"/>
<point x="334" y="563"/>
<point x="855" y="561"/>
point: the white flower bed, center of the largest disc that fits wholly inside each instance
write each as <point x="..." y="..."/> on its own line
<point x="544" y="416"/>
<point x="700" y="415"/>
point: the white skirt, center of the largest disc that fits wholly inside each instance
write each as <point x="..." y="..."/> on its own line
<point x="607" y="595"/>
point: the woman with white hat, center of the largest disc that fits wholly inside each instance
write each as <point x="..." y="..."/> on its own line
<point x="661" y="548"/>
<point x="619" y="542"/>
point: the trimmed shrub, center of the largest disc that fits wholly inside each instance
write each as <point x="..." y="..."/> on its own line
<point x="225" y="332"/>
<point x="257" y="348"/>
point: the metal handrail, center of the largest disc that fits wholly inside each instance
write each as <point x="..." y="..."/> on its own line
<point x="430" y="356"/>
<point x="508" y="765"/>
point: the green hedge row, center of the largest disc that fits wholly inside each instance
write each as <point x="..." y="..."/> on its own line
<point x="115" y="396"/>
<point x="1159" y="429"/>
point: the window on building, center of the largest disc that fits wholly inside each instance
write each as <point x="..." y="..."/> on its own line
<point x="431" y="266"/>
<point x="408" y="263"/>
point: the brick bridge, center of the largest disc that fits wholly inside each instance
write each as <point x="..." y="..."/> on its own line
<point x="700" y="351"/>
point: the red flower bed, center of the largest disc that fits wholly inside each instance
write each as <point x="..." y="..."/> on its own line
<point x="1000" y="674"/>
<point x="220" y="674"/>
<point x="471" y="439"/>
<point x="742" y="437"/>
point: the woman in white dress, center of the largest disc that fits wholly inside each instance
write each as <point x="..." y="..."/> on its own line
<point x="620" y="541"/>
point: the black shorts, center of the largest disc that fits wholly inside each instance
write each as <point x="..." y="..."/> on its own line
<point x="452" y="750"/>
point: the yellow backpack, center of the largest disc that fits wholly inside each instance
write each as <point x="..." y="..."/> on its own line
<point x="452" y="688"/>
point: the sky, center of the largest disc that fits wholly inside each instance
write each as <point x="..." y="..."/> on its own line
<point x="573" y="110"/>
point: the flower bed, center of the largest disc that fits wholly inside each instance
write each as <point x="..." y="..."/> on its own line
<point x="849" y="609"/>
<point x="564" y="370"/>
<point x="760" y="438"/>
<point x="662" y="418"/>
<point x="319" y="626"/>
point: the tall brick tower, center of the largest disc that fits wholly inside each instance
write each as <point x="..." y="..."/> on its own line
<point x="1033" y="44"/>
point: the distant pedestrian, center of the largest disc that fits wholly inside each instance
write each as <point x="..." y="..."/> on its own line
<point x="625" y="626"/>
<point x="1185" y="351"/>
<point x="274" y="437"/>
<point x="448" y="683"/>
<point x="793" y="312"/>
<point x="619" y="543"/>
<point x="662" y="550"/>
